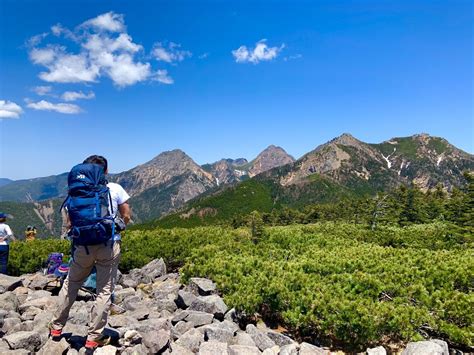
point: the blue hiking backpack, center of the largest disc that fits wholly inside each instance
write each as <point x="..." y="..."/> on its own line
<point x="88" y="205"/>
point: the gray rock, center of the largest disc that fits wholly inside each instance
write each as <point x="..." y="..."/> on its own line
<point x="150" y="325"/>
<point x="199" y="318"/>
<point x="106" y="350"/>
<point x="167" y="303"/>
<point x="201" y="286"/>
<point x="39" y="281"/>
<point x="154" y="269"/>
<point x="132" y="303"/>
<point x="180" y="328"/>
<point x="177" y="349"/>
<point x="259" y="337"/>
<point x="210" y="304"/>
<point x="231" y="315"/>
<point x="424" y="347"/>
<point x="213" y="348"/>
<point x="120" y="295"/>
<point x="272" y="351"/>
<point x="219" y="334"/>
<point x="24" y="340"/>
<point x="230" y="326"/>
<point x="11" y="325"/>
<point x="191" y="340"/>
<point x="72" y="351"/>
<point x="28" y="325"/>
<point x="178" y="316"/>
<point x="291" y="349"/>
<point x="9" y="283"/>
<point x="139" y="313"/>
<point x="185" y="299"/>
<point x="163" y="289"/>
<point x="33" y="295"/>
<point x="128" y="281"/>
<point x="243" y="338"/>
<point x="138" y="349"/>
<point x="156" y="342"/>
<point x="9" y="301"/>
<point x="30" y="313"/>
<point x="379" y="350"/>
<point x="443" y="344"/>
<point x="54" y="347"/>
<point x="121" y="320"/>
<point x="243" y="350"/>
<point x="47" y="302"/>
<point x="309" y="349"/>
<point x="280" y="339"/>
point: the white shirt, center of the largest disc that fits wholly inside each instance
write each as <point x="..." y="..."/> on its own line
<point x="118" y="196"/>
<point x="5" y="232"/>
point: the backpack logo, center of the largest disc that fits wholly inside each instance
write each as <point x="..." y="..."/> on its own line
<point x="80" y="176"/>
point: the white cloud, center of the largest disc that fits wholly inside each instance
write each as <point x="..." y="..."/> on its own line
<point x="43" y="56"/>
<point x="171" y="53"/>
<point x="109" y="21"/>
<point x="105" y="50"/>
<point x="261" y="52"/>
<point x="163" y="77"/>
<point x="42" y="90"/>
<point x="9" y="109"/>
<point x="70" y="68"/>
<point x="76" y="95"/>
<point x="44" y="105"/>
<point x="59" y="30"/>
<point x="37" y="39"/>
<point x="204" y="55"/>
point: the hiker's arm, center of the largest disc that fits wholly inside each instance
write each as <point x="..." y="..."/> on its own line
<point x="125" y="212"/>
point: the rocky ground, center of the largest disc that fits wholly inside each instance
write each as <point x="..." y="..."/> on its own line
<point x="161" y="316"/>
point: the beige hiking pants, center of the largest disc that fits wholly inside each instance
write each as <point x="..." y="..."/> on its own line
<point x="106" y="259"/>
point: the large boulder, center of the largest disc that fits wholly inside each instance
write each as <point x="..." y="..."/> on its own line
<point x="156" y="342"/>
<point x="213" y="348"/>
<point x="309" y="349"/>
<point x="210" y="304"/>
<point x="106" y="350"/>
<point x="243" y="350"/>
<point x="54" y="347"/>
<point x="191" y="340"/>
<point x="426" y="347"/>
<point x="259" y="337"/>
<point x="9" y="301"/>
<point x="199" y="318"/>
<point x="291" y="349"/>
<point x="218" y="333"/>
<point x="201" y="286"/>
<point x="280" y="339"/>
<point x="153" y="270"/>
<point x="9" y="283"/>
<point x="185" y="298"/>
<point x="24" y="340"/>
<point x="379" y="350"/>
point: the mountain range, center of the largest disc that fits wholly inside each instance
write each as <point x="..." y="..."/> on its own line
<point x="342" y="166"/>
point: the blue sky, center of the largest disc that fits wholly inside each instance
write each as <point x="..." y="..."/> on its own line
<point x="219" y="79"/>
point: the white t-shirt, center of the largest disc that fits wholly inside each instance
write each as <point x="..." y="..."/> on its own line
<point x="118" y="196"/>
<point x="5" y="232"/>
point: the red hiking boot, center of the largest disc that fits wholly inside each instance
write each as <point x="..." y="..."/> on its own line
<point x="94" y="344"/>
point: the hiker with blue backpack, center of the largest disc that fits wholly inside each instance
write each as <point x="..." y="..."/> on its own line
<point x="93" y="206"/>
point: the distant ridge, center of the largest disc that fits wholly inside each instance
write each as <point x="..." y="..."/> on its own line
<point x="340" y="166"/>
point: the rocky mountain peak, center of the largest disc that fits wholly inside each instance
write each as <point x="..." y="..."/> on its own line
<point x="271" y="157"/>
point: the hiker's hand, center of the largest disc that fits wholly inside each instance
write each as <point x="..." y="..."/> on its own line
<point x="2" y="239"/>
<point x="125" y="212"/>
